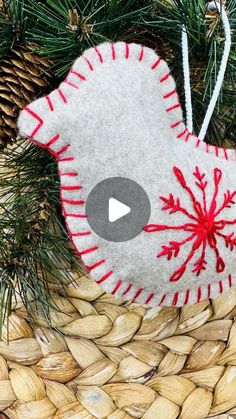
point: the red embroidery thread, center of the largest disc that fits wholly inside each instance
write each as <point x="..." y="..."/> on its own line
<point x="205" y="227"/>
<point x="141" y="54"/>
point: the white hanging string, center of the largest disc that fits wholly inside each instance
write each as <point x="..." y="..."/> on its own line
<point x="187" y="87"/>
<point x="213" y="5"/>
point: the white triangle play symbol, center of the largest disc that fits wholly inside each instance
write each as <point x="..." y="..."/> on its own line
<point x="117" y="210"/>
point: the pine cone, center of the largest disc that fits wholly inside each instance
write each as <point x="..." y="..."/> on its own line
<point x="23" y="77"/>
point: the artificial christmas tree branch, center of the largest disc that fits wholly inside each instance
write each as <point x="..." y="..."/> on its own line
<point x="65" y="28"/>
<point x="206" y="41"/>
<point x="33" y="245"/>
<point x="33" y="242"/>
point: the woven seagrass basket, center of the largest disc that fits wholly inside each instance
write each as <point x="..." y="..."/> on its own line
<point x="116" y="360"/>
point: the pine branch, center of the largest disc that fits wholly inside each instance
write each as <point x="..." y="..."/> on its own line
<point x="65" y="28"/>
<point x="34" y="245"/>
<point x="206" y="43"/>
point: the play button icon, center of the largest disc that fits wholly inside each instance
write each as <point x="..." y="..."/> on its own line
<point x="117" y="209"/>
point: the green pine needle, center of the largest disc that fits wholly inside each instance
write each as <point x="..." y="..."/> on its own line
<point x="65" y="28"/>
<point x="33" y="241"/>
<point x="94" y="22"/>
<point x="34" y="244"/>
<point x="206" y="44"/>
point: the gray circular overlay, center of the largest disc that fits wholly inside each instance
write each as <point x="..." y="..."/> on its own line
<point x="127" y="192"/>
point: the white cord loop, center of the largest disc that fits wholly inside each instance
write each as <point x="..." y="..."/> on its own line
<point x="187" y="88"/>
<point x="213" y="5"/>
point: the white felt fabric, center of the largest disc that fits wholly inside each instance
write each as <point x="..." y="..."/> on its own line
<point x="114" y="117"/>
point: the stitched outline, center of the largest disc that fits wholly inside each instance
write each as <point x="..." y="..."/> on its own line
<point x="53" y="140"/>
<point x="67" y="173"/>
<point x="141" y="54"/>
<point x="95" y="265"/>
<point x="88" y="62"/>
<point x="79" y="75"/>
<point x="219" y="152"/>
<point x="48" y="99"/>
<point x="74" y="201"/>
<point x="127" y="289"/>
<point x="117" y="286"/>
<point x="156" y="63"/>
<point x="83" y="233"/>
<point x="198" y="144"/>
<point x="173" y="107"/>
<point x="104" y="277"/>
<point x="113" y="52"/>
<point x="137" y="294"/>
<point x="71" y="84"/>
<point x="37" y="117"/>
<point x="126" y="51"/>
<point x="99" y="54"/>
<point x="62" y="96"/>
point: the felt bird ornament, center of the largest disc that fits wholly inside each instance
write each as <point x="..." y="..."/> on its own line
<point x="117" y="114"/>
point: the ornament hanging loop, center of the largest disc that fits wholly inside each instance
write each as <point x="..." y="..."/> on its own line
<point x="213" y="5"/>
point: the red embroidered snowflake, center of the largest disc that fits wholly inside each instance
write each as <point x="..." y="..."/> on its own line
<point x="205" y="225"/>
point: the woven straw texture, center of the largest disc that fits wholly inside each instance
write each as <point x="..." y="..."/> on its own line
<point x="116" y="360"/>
